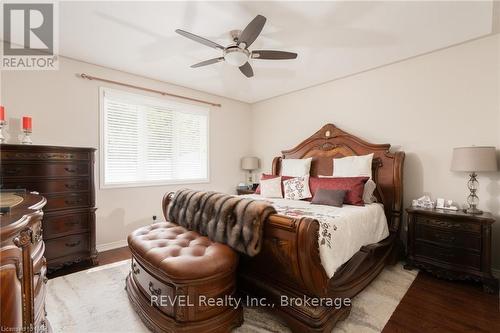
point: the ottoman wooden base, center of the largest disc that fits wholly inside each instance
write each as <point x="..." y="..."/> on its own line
<point x="182" y="282"/>
<point x="158" y="322"/>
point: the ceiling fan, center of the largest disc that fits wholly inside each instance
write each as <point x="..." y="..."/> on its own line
<point x="237" y="53"/>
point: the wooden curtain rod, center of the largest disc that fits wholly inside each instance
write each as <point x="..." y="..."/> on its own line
<point x="90" y="77"/>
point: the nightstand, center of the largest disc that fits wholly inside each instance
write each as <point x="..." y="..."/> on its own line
<point x="451" y="245"/>
<point x="242" y="191"/>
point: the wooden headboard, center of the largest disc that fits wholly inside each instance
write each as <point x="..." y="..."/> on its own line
<point x="387" y="168"/>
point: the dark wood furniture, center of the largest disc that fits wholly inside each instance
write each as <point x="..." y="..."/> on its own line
<point x="175" y="275"/>
<point x="23" y="267"/>
<point x="242" y="191"/>
<point x="289" y="262"/>
<point x="451" y="245"/>
<point x="65" y="176"/>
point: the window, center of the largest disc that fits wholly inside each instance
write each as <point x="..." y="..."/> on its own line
<point x="150" y="141"/>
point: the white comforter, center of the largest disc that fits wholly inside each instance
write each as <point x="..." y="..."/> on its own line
<point x="343" y="231"/>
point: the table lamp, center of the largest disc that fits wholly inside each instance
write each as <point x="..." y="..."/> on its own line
<point x="474" y="159"/>
<point x="250" y="163"/>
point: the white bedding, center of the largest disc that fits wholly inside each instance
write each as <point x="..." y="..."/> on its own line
<point x="343" y="231"/>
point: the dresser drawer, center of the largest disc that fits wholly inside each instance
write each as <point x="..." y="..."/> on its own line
<point x="445" y="255"/>
<point x="151" y="286"/>
<point x="448" y="238"/>
<point x="65" y="246"/>
<point x="69" y="200"/>
<point x="62" y="224"/>
<point x="45" y="156"/>
<point x="50" y="185"/>
<point x="45" y="170"/>
<point x="447" y="225"/>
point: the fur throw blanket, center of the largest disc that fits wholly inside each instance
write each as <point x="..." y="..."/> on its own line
<point x="237" y="222"/>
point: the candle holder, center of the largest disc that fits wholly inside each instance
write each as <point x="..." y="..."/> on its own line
<point x="2" y="124"/>
<point x="26" y="138"/>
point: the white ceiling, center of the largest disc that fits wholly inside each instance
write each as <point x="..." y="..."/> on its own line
<point x="333" y="39"/>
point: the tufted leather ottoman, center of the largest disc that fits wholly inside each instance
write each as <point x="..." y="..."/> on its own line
<point x="176" y="274"/>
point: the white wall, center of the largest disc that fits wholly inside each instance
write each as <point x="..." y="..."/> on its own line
<point x="65" y="111"/>
<point x="426" y="105"/>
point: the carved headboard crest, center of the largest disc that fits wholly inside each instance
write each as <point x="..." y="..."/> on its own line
<point x="330" y="142"/>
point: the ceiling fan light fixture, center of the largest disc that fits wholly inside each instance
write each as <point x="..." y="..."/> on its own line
<point x="236" y="56"/>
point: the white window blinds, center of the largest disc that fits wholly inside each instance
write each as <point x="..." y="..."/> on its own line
<point x="148" y="141"/>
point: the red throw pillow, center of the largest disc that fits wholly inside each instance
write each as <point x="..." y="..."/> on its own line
<point x="353" y="185"/>
<point x="265" y="176"/>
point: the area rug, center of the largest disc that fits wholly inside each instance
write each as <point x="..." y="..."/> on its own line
<point x="95" y="301"/>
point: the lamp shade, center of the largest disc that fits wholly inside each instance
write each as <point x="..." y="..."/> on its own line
<point x="250" y="163"/>
<point x="474" y="159"/>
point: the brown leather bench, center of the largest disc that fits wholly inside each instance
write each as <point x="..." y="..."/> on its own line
<point x="174" y="276"/>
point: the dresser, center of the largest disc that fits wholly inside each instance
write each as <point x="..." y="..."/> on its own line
<point x="451" y="245"/>
<point x="22" y="265"/>
<point x="65" y="177"/>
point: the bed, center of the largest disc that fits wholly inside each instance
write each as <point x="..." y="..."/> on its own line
<point x="290" y="261"/>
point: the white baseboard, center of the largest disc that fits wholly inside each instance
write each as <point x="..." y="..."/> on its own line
<point x="112" y="245"/>
<point x="496" y="272"/>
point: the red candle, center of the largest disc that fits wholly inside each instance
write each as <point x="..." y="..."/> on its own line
<point x="27" y="123"/>
<point x="2" y="113"/>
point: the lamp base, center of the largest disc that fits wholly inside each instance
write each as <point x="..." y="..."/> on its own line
<point x="473" y="210"/>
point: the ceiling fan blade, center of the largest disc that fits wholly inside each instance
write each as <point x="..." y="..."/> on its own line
<point x="273" y="55"/>
<point x="252" y="31"/>
<point x="199" y="39"/>
<point x="208" y="62"/>
<point x="247" y="70"/>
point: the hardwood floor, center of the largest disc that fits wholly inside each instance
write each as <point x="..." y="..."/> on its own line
<point x="434" y="305"/>
<point x="430" y="305"/>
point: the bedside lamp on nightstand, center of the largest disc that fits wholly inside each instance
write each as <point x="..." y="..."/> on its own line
<point x="474" y="159"/>
<point x="250" y="163"/>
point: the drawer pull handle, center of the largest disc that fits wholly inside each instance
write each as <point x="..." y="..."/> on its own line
<point x="73" y="202"/>
<point x="156" y="292"/>
<point x="445" y="254"/>
<point x="71" y="223"/>
<point x="445" y="238"/>
<point x="72" y="244"/>
<point x="135" y="269"/>
<point x="71" y="186"/>
<point x="70" y="170"/>
<point x="12" y="171"/>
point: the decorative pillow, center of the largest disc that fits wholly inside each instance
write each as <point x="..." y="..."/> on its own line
<point x="370" y="187"/>
<point x="267" y="176"/>
<point x="297" y="188"/>
<point x="296" y="167"/>
<point x="368" y="196"/>
<point x="327" y="197"/>
<point x="271" y="188"/>
<point x="353" y="166"/>
<point x="353" y="185"/>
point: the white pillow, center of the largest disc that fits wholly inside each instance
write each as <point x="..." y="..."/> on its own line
<point x="353" y="166"/>
<point x="271" y="188"/>
<point x="295" y="167"/>
<point x="297" y="188"/>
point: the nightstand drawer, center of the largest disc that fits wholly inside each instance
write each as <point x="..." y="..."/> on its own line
<point x="447" y="225"/>
<point x="442" y="237"/>
<point x="447" y="255"/>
